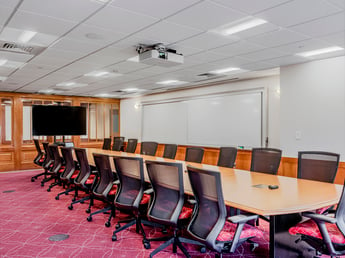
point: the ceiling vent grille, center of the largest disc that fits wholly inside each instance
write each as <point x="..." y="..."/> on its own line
<point x="20" y="48"/>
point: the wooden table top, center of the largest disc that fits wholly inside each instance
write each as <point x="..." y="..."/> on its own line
<point x="249" y="191"/>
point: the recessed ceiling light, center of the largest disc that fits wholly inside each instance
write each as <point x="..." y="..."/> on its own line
<point x="97" y="73"/>
<point x="2" y="78"/>
<point x="130" y="89"/>
<point x="171" y="82"/>
<point x="26" y="36"/>
<point x="71" y="84"/>
<point x="240" y="25"/>
<point x="134" y="59"/>
<point x="225" y="70"/>
<point x="320" y="51"/>
<point x="3" y="61"/>
<point x="46" y="91"/>
<point x="106" y="95"/>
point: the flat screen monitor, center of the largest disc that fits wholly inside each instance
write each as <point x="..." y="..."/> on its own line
<point x="58" y="120"/>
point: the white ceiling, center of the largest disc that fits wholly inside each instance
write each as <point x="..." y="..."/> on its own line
<point x="81" y="36"/>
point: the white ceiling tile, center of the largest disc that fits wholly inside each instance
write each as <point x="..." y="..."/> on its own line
<point x="198" y="16"/>
<point x="117" y="54"/>
<point x="160" y="9"/>
<point x="167" y="32"/>
<point x="258" y="66"/>
<point x="302" y="46"/>
<point x="335" y="39"/>
<point x="55" y="58"/>
<point x="17" y="57"/>
<point x="71" y="10"/>
<point x="282" y="14"/>
<point x="127" y="67"/>
<point x="262" y="29"/>
<point x="4" y="15"/>
<point x="95" y="35"/>
<point x="205" y="57"/>
<point x="10" y="4"/>
<point x="235" y="61"/>
<point x="287" y="60"/>
<point x="340" y="3"/>
<point x="207" y="40"/>
<point x="322" y="26"/>
<point x="237" y="48"/>
<point x="6" y="71"/>
<point x="120" y="20"/>
<point x="277" y="38"/>
<point x="34" y="22"/>
<point x="72" y="45"/>
<point x="99" y="60"/>
<point x="327" y="55"/>
<point x="250" y="6"/>
<point x="184" y="50"/>
<point x="264" y="54"/>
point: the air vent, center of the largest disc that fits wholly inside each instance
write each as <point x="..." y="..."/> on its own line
<point x="20" y="48"/>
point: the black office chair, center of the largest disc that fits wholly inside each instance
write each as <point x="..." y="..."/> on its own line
<point x="265" y="160"/>
<point x="118" y="143"/>
<point x="85" y="179"/>
<point x="106" y="144"/>
<point x="57" y="168"/>
<point x="47" y="163"/>
<point x="131" y="145"/>
<point x="208" y="224"/>
<point x="312" y="165"/>
<point x="38" y="160"/>
<point x="318" y="165"/>
<point x="227" y="157"/>
<point x="170" y="151"/>
<point x="70" y="172"/>
<point x="148" y="148"/>
<point x="104" y="189"/>
<point x="130" y="197"/>
<point x="194" y="154"/>
<point x="325" y="234"/>
<point x="167" y="205"/>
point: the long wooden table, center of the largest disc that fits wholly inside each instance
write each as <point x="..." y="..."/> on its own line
<point x="249" y="191"/>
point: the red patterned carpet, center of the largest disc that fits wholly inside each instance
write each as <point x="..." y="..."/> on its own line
<point x="29" y="215"/>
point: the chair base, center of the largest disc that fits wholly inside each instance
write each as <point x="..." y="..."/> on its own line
<point x="130" y="222"/>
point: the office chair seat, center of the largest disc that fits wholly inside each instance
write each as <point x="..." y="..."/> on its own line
<point x="310" y="228"/>
<point x="229" y="229"/>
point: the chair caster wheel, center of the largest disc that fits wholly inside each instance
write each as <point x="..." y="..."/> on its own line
<point x="107" y="224"/>
<point x="66" y="193"/>
<point x="48" y="190"/>
<point x="70" y="207"/>
<point x="42" y="184"/>
<point x="32" y="180"/>
<point x="89" y="218"/>
<point x="57" y="198"/>
<point x="203" y="250"/>
<point x="73" y="199"/>
<point x="117" y="226"/>
<point x="147" y="245"/>
<point x="88" y="211"/>
<point x="114" y="238"/>
<point x="82" y="202"/>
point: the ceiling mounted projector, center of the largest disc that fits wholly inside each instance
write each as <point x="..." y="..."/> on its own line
<point x="159" y="55"/>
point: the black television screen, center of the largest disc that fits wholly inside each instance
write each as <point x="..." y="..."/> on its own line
<point x="58" y="120"/>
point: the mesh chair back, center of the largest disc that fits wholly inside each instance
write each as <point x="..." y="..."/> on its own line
<point x="54" y="150"/>
<point x="69" y="163"/>
<point x="149" y="148"/>
<point x="106" y="144"/>
<point x="227" y="157"/>
<point x="118" y="143"/>
<point x="85" y="170"/>
<point x="49" y="157"/>
<point x="106" y="176"/>
<point x="130" y="171"/>
<point x="194" y="154"/>
<point x="39" y="152"/>
<point x="265" y="160"/>
<point x="131" y="145"/>
<point x="167" y="184"/>
<point x="317" y="165"/>
<point x="170" y="151"/>
<point x="210" y="212"/>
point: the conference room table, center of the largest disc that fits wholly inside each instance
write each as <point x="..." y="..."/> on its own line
<point x="248" y="191"/>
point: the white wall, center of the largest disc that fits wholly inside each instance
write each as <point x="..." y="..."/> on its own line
<point x="313" y="107"/>
<point x="130" y="119"/>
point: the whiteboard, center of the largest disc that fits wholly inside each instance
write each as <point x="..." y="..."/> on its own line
<point x="233" y="119"/>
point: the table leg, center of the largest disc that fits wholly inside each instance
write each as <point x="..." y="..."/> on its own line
<point x="272" y="253"/>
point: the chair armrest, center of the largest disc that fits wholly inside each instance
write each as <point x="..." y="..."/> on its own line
<point x="241" y="218"/>
<point x="148" y="191"/>
<point x="191" y="201"/>
<point x="319" y="217"/>
<point x="116" y="182"/>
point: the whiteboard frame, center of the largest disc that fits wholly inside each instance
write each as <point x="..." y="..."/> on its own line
<point x="264" y="109"/>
